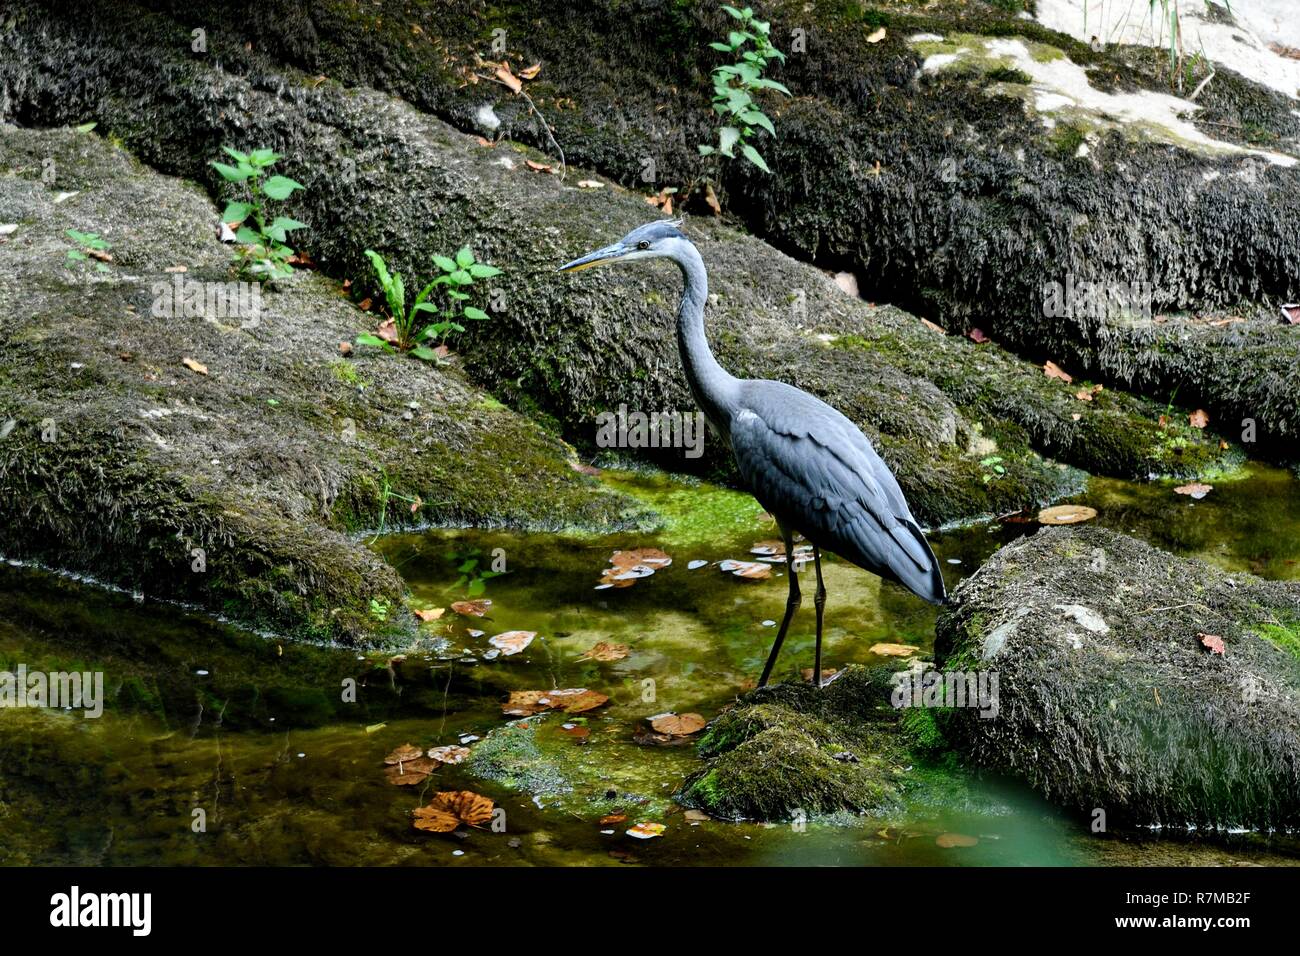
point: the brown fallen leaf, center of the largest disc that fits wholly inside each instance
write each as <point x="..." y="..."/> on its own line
<point x="345" y="348"/>
<point x="1291" y="314"/>
<point x="612" y="818"/>
<point x="194" y="365"/>
<point x="934" y="326"/>
<point x="508" y="79"/>
<point x="539" y="167"/>
<point x="388" y="331"/>
<point x="590" y="184"/>
<point x="605" y="651"/>
<point x="531" y="72"/>
<point x="365" y="304"/>
<point x="1066" y="514"/>
<point x="450" y="808"/>
<point x="827" y="674"/>
<point x="975" y="335"/>
<point x="449" y="753"/>
<point x="177" y="269"/>
<point x="403" y="753"/>
<point x="1212" y="642"/>
<point x="894" y="650"/>
<point x="647" y="831"/>
<point x="583" y="701"/>
<point x="1085" y="394"/>
<point x="472" y="608"/>
<point x="576" y="731"/>
<point x="482" y="141"/>
<point x="408" y="773"/>
<point x="949" y="840"/>
<point x="427" y="614"/>
<point x="512" y="642"/>
<point x="678" y="725"/>
<point x="650" y="557"/>
<point x="572" y="700"/>
<point x="696" y="816"/>
<point x="711" y="200"/>
<point x="877" y="36"/>
<point x="1052" y="370"/>
<point x="1198" y="418"/>
<point x="1195" y="489"/>
<point x="749" y="570"/>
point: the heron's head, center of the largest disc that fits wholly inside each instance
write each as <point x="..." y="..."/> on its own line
<point x="654" y="240"/>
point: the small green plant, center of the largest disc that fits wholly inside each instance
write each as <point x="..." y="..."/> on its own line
<point x="993" y="468"/>
<point x="88" y="244"/>
<point x="424" y="323"/>
<point x="473" y="578"/>
<point x="379" y="609"/>
<point x="735" y="86"/>
<point x="262" y="243"/>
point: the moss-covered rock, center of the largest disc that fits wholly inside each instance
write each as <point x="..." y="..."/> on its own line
<point x="792" y="751"/>
<point x="1110" y="698"/>
<point x="242" y="487"/>
<point x="566" y="348"/>
<point x="957" y="165"/>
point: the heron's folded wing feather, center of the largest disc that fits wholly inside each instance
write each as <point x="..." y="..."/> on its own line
<point x="827" y="473"/>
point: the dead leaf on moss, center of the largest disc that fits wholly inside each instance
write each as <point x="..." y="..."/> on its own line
<point x="1212" y="642"/>
<point x="605" y="651"/>
<point x="1195" y="489"/>
<point x="894" y="650"/>
<point x="404" y="753"/>
<point x="472" y="608"/>
<point x="749" y="570"/>
<point x="450" y="808"/>
<point x="613" y="818"/>
<point x="678" y="725"/>
<point x="572" y="700"/>
<point x="449" y="753"/>
<point x="428" y="614"/>
<point x="647" y="831"/>
<point x="512" y="642"/>
<point x="408" y="773"/>
<point x="194" y="365"/>
<point x="530" y="73"/>
<point x="1198" y="418"/>
<point x="508" y="79"/>
<point x="877" y="36"/>
<point x="1066" y="514"/>
<point x="1052" y="370"/>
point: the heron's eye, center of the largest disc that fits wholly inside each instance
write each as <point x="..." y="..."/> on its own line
<point x="643" y="244"/>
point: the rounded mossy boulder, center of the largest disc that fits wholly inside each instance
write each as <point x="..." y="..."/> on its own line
<point x="791" y="751"/>
<point x="1158" y="689"/>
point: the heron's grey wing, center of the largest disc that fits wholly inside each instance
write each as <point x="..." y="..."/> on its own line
<point x="805" y="460"/>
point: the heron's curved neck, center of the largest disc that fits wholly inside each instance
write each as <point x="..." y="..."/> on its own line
<point x="715" y="390"/>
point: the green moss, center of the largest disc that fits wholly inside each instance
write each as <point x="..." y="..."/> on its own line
<point x="1285" y="636"/>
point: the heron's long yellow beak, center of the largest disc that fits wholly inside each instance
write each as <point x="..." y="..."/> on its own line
<point x="599" y="257"/>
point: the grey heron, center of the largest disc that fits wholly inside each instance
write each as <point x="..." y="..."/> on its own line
<point x="809" y="466"/>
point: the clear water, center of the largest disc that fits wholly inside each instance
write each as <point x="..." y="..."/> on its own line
<point x="255" y="734"/>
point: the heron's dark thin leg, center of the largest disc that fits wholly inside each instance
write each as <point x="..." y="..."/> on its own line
<point x="791" y="605"/>
<point x="820" y="602"/>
